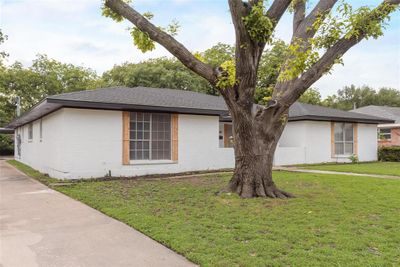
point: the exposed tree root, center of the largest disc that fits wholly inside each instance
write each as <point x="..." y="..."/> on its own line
<point x="250" y="191"/>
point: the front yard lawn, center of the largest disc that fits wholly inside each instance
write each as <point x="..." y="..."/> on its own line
<point x="384" y="168"/>
<point x="334" y="221"/>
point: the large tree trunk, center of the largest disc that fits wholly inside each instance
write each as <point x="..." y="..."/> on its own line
<point x="255" y="141"/>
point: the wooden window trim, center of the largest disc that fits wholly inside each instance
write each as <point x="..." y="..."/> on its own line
<point x="174" y="135"/>
<point x="125" y="137"/>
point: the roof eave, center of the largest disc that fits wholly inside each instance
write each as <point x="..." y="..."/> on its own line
<point x="338" y="119"/>
<point x="120" y="106"/>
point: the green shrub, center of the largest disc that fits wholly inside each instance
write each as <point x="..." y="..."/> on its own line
<point x="389" y="154"/>
<point x="6" y="145"/>
<point x="354" y="158"/>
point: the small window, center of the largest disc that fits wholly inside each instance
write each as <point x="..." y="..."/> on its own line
<point x="40" y="130"/>
<point x="30" y="131"/>
<point x="344" y="139"/>
<point x="385" y="134"/>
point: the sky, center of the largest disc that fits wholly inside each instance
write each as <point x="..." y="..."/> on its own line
<point x="73" y="31"/>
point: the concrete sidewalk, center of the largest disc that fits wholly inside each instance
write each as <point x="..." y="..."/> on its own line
<point x="296" y="169"/>
<point x="42" y="227"/>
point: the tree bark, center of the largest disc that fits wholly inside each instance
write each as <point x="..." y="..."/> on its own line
<point x="255" y="141"/>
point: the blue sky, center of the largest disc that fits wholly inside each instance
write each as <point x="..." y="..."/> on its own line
<point x="74" y="31"/>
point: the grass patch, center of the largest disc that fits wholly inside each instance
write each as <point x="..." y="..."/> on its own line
<point x="383" y="168"/>
<point x="334" y="221"/>
<point x="43" y="178"/>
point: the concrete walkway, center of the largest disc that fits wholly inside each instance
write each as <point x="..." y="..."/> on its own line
<point x="296" y="169"/>
<point x="42" y="227"/>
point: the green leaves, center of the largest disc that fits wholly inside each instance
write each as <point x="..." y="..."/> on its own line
<point x="45" y="77"/>
<point x="173" y="28"/>
<point x="227" y="79"/>
<point x="258" y="25"/>
<point x="142" y="40"/>
<point x="369" y="22"/>
<point x="107" y="12"/>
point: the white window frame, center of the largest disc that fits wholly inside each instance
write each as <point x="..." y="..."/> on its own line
<point x="343" y="142"/>
<point x="380" y="135"/>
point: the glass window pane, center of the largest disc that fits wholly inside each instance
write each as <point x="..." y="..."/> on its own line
<point x="348" y="148"/>
<point x="139" y="116"/>
<point x="146" y="145"/>
<point x="146" y="154"/>
<point x="348" y="132"/>
<point x="146" y="135"/>
<point x="133" y="116"/>
<point x="339" y="149"/>
<point x="339" y="131"/>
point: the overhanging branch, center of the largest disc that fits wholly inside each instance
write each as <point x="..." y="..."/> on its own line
<point x="164" y="39"/>
<point x="291" y="90"/>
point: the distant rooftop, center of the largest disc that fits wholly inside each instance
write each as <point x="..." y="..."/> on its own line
<point x="390" y="113"/>
<point x="171" y="100"/>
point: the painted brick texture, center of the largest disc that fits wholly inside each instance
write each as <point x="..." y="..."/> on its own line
<point x="394" y="141"/>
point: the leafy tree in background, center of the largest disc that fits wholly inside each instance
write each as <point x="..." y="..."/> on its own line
<point x="311" y="96"/>
<point x="45" y="77"/>
<point x="351" y="95"/>
<point x="157" y="73"/>
<point x="320" y="38"/>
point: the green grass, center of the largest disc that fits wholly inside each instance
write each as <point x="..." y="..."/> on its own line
<point x="45" y="179"/>
<point x="384" y="168"/>
<point x="334" y="221"/>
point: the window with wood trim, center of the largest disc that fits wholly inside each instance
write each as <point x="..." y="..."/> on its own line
<point x="150" y="136"/>
<point x="343" y="139"/>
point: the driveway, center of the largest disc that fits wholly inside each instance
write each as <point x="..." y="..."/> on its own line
<point x="42" y="227"/>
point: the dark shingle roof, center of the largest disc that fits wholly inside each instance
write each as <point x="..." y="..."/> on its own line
<point x="171" y="100"/>
<point x="143" y="96"/>
<point x="301" y="111"/>
<point x="390" y="113"/>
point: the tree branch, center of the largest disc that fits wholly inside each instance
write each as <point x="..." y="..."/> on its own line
<point x="164" y="39"/>
<point x="298" y="86"/>
<point x="247" y="52"/>
<point x="299" y="14"/>
<point x="305" y="29"/>
<point x="277" y="9"/>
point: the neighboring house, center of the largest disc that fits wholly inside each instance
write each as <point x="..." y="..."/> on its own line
<point x="140" y="131"/>
<point x="388" y="133"/>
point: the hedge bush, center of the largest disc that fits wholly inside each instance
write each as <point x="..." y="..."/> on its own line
<point x="6" y="145"/>
<point x="389" y="153"/>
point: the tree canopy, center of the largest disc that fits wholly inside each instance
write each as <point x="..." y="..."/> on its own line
<point x="44" y="77"/>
